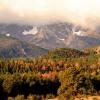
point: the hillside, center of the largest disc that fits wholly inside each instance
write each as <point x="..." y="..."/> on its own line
<point x="64" y="53"/>
<point x="11" y="47"/>
<point x="55" y="75"/>
<point x="93" y="50"/>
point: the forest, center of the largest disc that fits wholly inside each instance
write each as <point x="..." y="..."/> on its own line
<point x="62" y="73"/>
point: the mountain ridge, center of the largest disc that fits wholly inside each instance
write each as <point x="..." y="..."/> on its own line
<point x="56" y="35"/>
<point x="12" y="48"/>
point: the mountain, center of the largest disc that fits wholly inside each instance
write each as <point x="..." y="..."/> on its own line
<point x="80" y="42"/>
<point x="11" y="47"/>
<point x="55" y="35"/>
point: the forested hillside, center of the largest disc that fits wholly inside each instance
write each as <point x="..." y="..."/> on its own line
<point x="78" y="74"/>
<point x="64" y="53"/>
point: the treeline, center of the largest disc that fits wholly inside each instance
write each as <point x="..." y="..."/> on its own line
<point x="42" y="65"/>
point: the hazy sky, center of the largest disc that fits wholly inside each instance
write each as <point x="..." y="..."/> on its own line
<point x="85" y="12"/>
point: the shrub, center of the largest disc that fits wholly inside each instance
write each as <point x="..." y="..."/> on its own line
<point x="19" y="97"/>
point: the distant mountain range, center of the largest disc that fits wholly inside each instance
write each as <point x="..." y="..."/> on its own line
<point x="13" y="48"/>
<point x="56" y="35"/>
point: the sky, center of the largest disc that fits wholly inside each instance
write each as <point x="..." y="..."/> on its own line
<point x="84" y="12"/>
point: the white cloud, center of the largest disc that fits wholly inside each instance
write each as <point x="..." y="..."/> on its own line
<point x="85" y="12"/>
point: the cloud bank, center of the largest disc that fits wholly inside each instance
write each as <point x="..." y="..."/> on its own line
<point x="84" y="12"/>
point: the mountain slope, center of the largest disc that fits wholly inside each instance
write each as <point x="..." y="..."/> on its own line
<point x="80" y="42"/>
<point x="55" y="35"/>
<point x="11" y="47"/>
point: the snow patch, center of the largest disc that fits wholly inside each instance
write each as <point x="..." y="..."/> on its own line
<point x="33" y="31"/>
<point x="78" y="33"/>
<point x="61" y="39"/>
<point x="7" y="35"/>
<point x="23" y="51"/>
